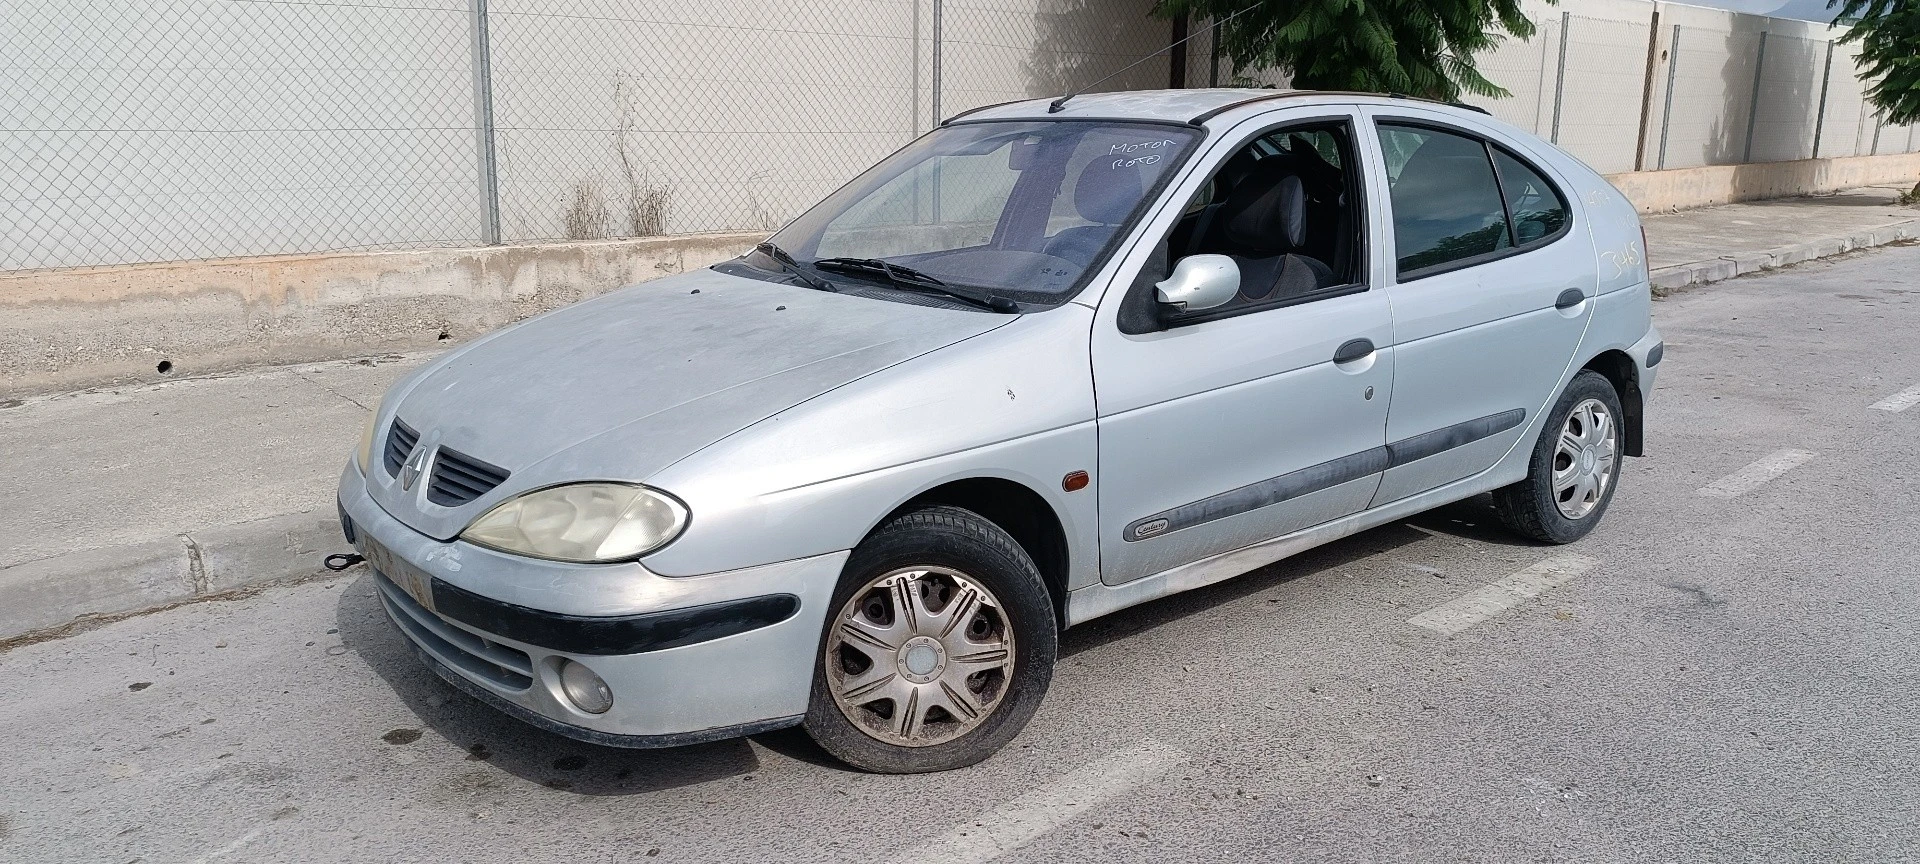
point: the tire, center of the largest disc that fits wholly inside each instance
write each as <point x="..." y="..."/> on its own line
<point x="1533" y="507"/>
<point x="968" y="591"/>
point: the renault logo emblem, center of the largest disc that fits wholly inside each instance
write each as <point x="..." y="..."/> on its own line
<point x="415" y="466"/>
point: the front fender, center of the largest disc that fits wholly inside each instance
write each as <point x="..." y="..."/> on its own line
<point x="1015" y="403"/>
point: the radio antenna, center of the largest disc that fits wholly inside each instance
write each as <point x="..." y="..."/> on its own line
<point x="1057" y="104"/>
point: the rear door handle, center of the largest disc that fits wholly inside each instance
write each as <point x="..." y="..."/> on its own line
<point x="1569" y="299"/>
<point x="1353" y="349"/>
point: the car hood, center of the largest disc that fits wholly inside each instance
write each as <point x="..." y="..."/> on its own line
<point x="624" y="385"/>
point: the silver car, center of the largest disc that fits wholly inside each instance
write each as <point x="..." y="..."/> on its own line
<point x="1044" y="363"/>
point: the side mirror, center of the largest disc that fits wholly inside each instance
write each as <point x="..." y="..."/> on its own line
<point x="1200" y="282"/>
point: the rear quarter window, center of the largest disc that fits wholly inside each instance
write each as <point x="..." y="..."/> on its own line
<point x="1459" y="200"/>
<point x="1537" y="208"/>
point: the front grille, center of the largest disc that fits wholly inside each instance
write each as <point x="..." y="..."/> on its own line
<point x="481" y="658"/>
<point x="400" y="441"/>
<point x="459" y="478"/>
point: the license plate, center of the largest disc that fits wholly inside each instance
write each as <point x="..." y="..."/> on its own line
<point x="411" y="579"/>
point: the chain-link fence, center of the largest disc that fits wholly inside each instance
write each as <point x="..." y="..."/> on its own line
<point x="157" y="130"/>
<point x="153" y="131"/>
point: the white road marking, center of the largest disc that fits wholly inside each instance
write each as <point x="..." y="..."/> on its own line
<point x="1494" y="598"/>
<point x="1900" y="401"/>
<point x="1042" y="809"/>
<point x="1757" y="473"/>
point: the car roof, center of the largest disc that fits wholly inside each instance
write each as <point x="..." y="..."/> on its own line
<point x="1175" y="106"/>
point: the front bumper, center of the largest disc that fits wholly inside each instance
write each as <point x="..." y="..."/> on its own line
<point x="687" y="658"/>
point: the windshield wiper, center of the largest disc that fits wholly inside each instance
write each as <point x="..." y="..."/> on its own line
<point x="785" y="260"/>
<point x="909" y="278"/>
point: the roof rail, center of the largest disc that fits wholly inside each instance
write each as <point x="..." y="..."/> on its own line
<point x="1283" y="94"/>
<point x="983" y="108"/>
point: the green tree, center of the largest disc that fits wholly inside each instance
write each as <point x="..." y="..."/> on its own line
<point x="1889" y="35"/>
<point x="1416" y="47"/>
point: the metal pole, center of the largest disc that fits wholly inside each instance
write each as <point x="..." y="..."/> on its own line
<point x="1540" y="92"/>
<point x="1213" y="40"/>
<point x="936" y="63"/>
<point x="1879" y="122"/>
<point x="1177" y="54"/>
<point x="914" y="110"/>
<point x="1646" y="91"/>
<point x="1753" y="107"/>
<point x="1560" y="74"/>
<point x="1666" y="110"/>
<point x="1820" y="119"/>
<point x="483" y="124"/>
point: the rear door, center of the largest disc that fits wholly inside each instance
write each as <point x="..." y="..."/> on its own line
<point x="1490" y="284"/>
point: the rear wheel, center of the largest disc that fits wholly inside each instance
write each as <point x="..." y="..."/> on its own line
<point x="1574" y="468"/>
<point x="939" y="648"/>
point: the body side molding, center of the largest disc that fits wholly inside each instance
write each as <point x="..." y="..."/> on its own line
<point x="1325" y="475"/>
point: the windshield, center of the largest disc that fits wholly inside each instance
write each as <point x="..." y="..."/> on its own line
<point x="1020" y="210"/>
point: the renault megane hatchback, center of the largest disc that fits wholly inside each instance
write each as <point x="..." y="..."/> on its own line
<point x="1036" y="367"/>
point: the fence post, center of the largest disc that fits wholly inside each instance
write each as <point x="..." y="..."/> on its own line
<point x="1560" y="74"/>
<point x="1666" y="110"/>
<point x="1820" y="120"/>
<point x="936" y="63"/>
<point x="1213" y="43"/>
<point x="913" y="112"/>
<point x="483" y="124"/>
<point x="1646" y="91"/>
<point x="1177" y="53"/>
<point x="1753" y="107"/>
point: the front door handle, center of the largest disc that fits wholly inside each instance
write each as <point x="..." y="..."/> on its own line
<point x="1569" y="299"/>
<point x="1353" y="349"/>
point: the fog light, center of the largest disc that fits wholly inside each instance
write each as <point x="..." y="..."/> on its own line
<point x="585" y="689"/>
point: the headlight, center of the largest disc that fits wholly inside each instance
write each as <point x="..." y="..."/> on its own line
<point x="585" y="523"/>
<point x="364" y="456"/>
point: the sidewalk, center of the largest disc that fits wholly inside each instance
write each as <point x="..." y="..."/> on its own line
<point x="127" y="499"/>
<point x="1708" y="245"/>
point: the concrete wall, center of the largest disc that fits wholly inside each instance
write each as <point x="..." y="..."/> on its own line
<point x="67" y="329"/>
<point x="1683" y="188"/>
<point x="1635" y="94"/>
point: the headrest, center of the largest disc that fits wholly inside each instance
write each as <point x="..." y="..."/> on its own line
<point x="1432" y="182"/>
<point x="1266" y="214"/>
<point x="1106" y="193"/>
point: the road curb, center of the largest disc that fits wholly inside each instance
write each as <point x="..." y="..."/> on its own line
<point x="50" y="594"/>
<point x="1667" y="280"/>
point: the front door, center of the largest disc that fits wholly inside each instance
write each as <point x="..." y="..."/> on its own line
<point x="1223" y="428"/>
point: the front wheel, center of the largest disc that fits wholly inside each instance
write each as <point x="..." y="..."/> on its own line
<point x="939" y="648"/>
<point x="1574" y="468"/>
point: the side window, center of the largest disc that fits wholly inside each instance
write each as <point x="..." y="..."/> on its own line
<point x="1283" y="208"/>
<point x="1537" y="210"/>
<point x="1446" y="200"/>
<point x="1286" y="208"/>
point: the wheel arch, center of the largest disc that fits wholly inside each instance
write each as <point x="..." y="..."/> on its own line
<point x="1618" y="368"/>
<point x="1018" y="510"/>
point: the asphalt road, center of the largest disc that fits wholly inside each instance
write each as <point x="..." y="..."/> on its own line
<point x="1728" y="676"/>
